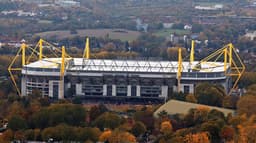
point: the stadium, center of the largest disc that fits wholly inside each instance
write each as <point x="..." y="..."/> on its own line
<point x="65" y="76"/>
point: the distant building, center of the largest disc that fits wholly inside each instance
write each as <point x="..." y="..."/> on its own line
<point x="67" y="3"/>
<point x="141" y="26"/>
<point x="167" y="25"/>
<point x="188" y="27"/>
<point x="212" y="7"/>
<point x="251" y="35"/>
<point x="19" y="13"/>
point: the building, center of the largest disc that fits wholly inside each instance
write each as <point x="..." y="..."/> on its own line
<point x="96" y="77"/>
<point x="67" y="3"/>
<point x="126" y="79"/>
<point x="251" y="35"/>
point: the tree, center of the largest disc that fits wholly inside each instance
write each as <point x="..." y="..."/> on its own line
<point x="209" y="94"/>
<point x="59" y="113"/>
<point x="16" y="108"/>
<point x="251" y="90"/>
<point x="17" y="123"/>
<point x="246" y="105"/>
<point x="227" y="133"/>
<point x="213" y="129"/>
<point x="146" y="117"/>
<point x="122" y="137"/>
<point x="96" y="111"/>
<point x="191" y="98"/>
<point x="7" y="136"/>
<point x="105" y="135"/>
<point x="166" y="127"/>
<point x="196" y="116"/>
<point x="107" y="120"/>
<point x="61" y="132"/>
<point x="138" y="129"/>
<point x="173" y="53"/>
<point x="202" y="137"/>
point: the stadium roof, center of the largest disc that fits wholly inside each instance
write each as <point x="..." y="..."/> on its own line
<point x="80" y="64"/>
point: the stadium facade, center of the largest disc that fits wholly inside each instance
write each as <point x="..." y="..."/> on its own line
<point x="98" y="77"/>
<point x="131" y="79"/>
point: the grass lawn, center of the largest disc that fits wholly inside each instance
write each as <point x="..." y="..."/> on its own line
<point x="167" y="32"/>
<point x="122" y="34"/>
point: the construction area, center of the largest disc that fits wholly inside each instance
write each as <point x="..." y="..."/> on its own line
<point x="64" y="76"/>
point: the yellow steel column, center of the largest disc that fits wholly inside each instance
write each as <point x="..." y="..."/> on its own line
<point x="87" y="49"/>
<point x="40" y="49"/>
<point x="225" y="59"/>
<point x="23" y="49"/>
<point x="192" y="52"/>
<point x="230" y="54"/>
<point x="62" y="70"/>
<point x="179" y="68"/>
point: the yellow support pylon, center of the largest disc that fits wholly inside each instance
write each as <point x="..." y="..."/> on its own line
<point x="40" y="49"/>
<point x="225" y="59"/>
<point x="23" y="47"/>
<point x="192" y="52"/>
<point x="86" y="54"/>
<point x="179" y="69"/>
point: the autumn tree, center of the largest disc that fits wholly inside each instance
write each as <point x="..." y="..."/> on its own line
<point x="146" y="117"/>
<point x="196" y="116"/>
<point x="122" y="136"/>
<point x="246" y="105"/>
<point x="227" y="133"/>
<point x="191" y="98"/>
<point x="202" y="137"/>
<point x="105" y="135"/>
<point x="166" y="127"/>
<point x="107" y="120"/>
<point x="173" y="53"/>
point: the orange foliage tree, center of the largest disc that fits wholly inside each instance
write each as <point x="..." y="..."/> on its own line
<point x="122" y="137"/>
<point x="166" y="127"/>
<point x="105" y="135"/>
<point x="202" y="137"/>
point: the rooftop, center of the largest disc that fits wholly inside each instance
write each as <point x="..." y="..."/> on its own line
<point x="107" y="65"/>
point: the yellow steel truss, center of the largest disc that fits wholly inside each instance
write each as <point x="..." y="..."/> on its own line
<point x="37" y="53"/>
<point x="233" y="65"/>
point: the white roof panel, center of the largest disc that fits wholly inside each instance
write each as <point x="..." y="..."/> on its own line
<point x="126" y="65"/>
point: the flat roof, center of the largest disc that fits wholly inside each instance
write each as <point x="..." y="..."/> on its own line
<point x="107" y="65"/>
<point x="180" y="107"/>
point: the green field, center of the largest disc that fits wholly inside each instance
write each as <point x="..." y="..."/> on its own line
<point x="167" y="32"/>
<point x="122" y="34"/>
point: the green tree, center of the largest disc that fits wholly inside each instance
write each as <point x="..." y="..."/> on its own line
<point x="96" y="111"/>
<point x="107" y="120"/>
<point x="138" y="129"/>
<point x="209" y="94"/>
<point x="146" y="117"/>
<point x="17" y="123"/>
<point x="59" y="113"/>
